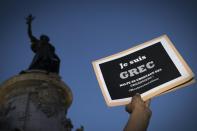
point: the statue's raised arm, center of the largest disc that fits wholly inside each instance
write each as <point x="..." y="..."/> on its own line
<point x="45" y="57"/>
<point x="29" y="20"/>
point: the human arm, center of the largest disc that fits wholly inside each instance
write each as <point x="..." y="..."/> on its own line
<point x="29" y="20"/>
<point x="140" y="114"/>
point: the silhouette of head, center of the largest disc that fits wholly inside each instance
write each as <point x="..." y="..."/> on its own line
<point x="44" y="38"/>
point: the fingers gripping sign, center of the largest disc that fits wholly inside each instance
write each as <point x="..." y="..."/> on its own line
<point x="140" y="114"/>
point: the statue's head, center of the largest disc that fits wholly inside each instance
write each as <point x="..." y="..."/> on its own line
<point x="44" y="38"/>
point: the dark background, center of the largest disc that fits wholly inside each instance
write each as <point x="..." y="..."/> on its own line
<point x="111" y="71"/>
<point x="83" y="31"/>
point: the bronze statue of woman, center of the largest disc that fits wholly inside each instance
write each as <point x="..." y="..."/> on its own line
<point x="45" y="57"/>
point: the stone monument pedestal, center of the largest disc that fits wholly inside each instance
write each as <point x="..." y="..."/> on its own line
<point x="35" y="101"/>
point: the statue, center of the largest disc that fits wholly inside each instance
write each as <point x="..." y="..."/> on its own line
<point x="45" y="57"/>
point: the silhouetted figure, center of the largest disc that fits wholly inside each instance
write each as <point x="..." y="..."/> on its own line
<point x="140" y="114"/>
<point x="45" y="57"/>
<point x="68" y="125"/>
<point x="80" y="129"/>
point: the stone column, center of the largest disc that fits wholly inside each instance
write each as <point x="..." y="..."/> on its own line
<point x="34" y="101"/>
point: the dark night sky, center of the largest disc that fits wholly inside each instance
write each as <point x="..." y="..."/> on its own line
<point x="83" y="31"/>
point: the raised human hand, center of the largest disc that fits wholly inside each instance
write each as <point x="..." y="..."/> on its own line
<point x="137" y="104"/>
<point x="29" y="19"/>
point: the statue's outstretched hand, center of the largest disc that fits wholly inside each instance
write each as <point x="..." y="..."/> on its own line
<point x="29" y="19"/>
